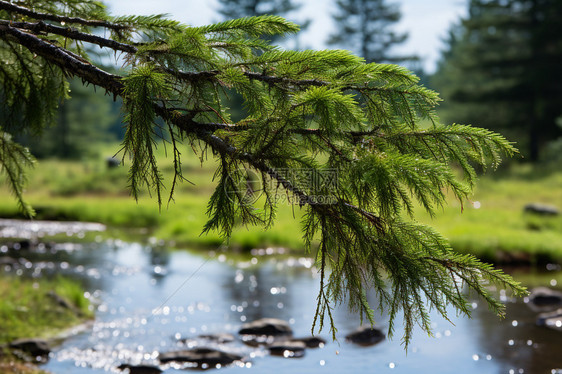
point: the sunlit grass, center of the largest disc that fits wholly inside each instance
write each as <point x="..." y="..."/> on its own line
<point x="27" y="309"/>
<point x="90" y="191"/>
<point x="495" y="223"/>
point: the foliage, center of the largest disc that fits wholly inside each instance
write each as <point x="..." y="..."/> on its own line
<point x="365" y="27"/>
<point x="81" y="125"/>
<point x="309" y="113"/>
<point x="233" y="9"/>
<point x="500" y="69"/>
<point x="27" y="309"/>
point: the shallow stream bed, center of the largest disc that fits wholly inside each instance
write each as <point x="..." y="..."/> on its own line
<point x="147" y="299"/>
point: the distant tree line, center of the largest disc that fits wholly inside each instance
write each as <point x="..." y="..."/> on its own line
<point x="501" y="69"/>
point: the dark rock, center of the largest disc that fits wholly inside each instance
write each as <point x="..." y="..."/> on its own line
<point x="365" y="336"/>
<point x="544" y="299"/>
<point x="311" y="341"/>
<point x="288" y="349"/>
<point x="541" y="209"/>
<point x="112" y="162"/>
<point x="200" y="356"/>
<point x="541" y="318"/>
<point x="267" y="327"/>
<point x="32" y="347"/>
<point x="140" y="369"/>
<point x="257" y="340"/>
<point x="218" y="338"/>
<point x="551" y="320"/>
<point x="23" y="244"/>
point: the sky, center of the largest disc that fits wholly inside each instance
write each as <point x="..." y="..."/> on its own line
<point x="426" y="21"/>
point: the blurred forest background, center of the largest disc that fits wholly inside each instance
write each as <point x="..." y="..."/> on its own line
<point x="499" y="69"/>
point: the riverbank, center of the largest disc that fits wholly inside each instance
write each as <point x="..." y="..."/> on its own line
<point x="38" y="310"/>
<point x="492" y="225"/>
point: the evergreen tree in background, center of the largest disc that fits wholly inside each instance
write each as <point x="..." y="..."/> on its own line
<point x="311" y="114"/>
<point x="502" y="70"/>
<point x="366" y="27"/>
<point x="81" y="125"/>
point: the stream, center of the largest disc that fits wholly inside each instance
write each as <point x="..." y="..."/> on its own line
<point x="148" y="299"/>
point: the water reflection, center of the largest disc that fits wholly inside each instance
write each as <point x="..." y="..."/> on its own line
<point x="149" y="299"/>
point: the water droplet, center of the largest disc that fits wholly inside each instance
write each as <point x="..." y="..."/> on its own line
<point x="511" y="342"/>
<point x="447" y="332"/>
<point x="514" y="323"/>
<point x="529" y="342"/>
<point x="475" y="357"/>
<point x="476" y="204"/>
<point x="392" y="365"/>
<point x="559" y="323"/>
<point x="474" y="305"/>
<point x="322" y="362"/>
<point x="553" y="282"/>
<point x="488" y="357"/>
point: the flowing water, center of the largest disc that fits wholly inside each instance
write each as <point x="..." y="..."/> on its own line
<point x="148" y="298"/>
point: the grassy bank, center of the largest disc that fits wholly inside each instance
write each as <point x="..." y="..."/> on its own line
<point x="28" y="308"/>
<point x="11" y="366"/>
<point x="494" y="227"/>
<point x="32" y="308"/>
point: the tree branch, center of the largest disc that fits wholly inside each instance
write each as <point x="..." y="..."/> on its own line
<point x="39" y="27"/>
<point x="65" y="60"/>
<point x="5" y="5"/>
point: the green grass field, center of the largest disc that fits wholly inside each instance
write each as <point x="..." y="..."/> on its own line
<point x="27" y="309"/>
<point x="492" y="224"/>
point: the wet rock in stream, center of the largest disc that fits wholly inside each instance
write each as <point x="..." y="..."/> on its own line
<point x="288" y="349"/>
<point x="265" y="331"/>
<point x="551" y="320"/>
<point x="311" y="341"/>
<point x="139" y="369"/>
<point x="266" y="326"/>
<point x="203" y="357"/>
<point x="365" y="336"/>
<point x="218" y="338"/>
<point x="544" y="299"/>
<point x="36" y="348"/>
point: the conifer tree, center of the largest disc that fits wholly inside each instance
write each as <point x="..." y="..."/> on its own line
<point x="309" y="113"/>
<point x="366" y="27"/>
<point x="500" y="70"/>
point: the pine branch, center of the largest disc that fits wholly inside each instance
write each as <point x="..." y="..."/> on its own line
<point x="13" y="160"/>
<point x="42" y="27"/>
<point x="12" y="8"/>
<point x="64" y="60"/>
